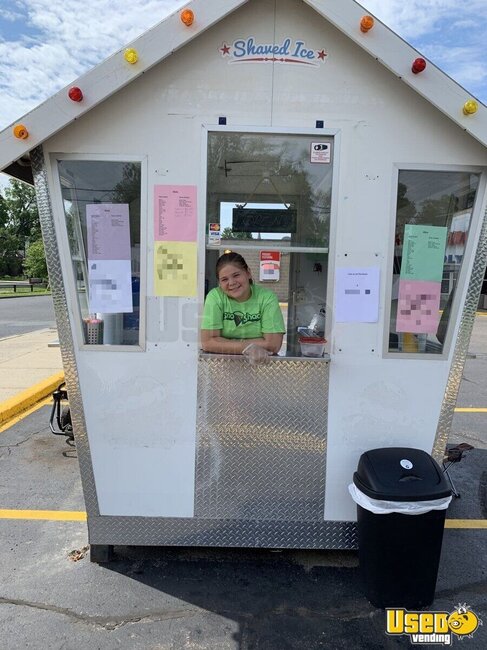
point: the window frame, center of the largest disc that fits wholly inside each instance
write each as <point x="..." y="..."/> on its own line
<point x="465" y="270"/>
<point x="65" y="251"/>
<point x="333" y="133"/>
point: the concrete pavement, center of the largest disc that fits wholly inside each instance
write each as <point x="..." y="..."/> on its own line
<point x="30" y="369"/>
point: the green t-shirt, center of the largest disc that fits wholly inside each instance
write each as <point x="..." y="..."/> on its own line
<point x="258" y="315"/>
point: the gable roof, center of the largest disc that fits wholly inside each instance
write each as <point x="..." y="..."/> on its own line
<point x="171" y="34"/>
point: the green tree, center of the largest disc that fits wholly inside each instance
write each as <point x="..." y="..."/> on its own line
<point x="228" y="233"/>
<point x="20" y="201"/>
<point x="439" y="212"/>
<point x="19" y="225"/>
<point x="35" y="261"/>
<point x="10" y="255"/>
<point x="406" y="209"/>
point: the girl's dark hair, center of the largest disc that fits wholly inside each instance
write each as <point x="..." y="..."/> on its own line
<point x="232" y="258"/>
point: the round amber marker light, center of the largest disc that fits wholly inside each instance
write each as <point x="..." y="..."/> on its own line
<point x="187" y="17"/>
<point x="366" y="23"/>
<point x="20" y="132"/>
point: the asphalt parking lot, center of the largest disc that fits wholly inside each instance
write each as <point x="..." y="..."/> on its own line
<point x="52" y="596"/>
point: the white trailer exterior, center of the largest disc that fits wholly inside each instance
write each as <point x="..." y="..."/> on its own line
<point x="181" y="448"/>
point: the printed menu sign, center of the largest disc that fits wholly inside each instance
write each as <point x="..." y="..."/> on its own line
<point x="108" y="229"/>
<point x="109" y="258"/>
<point x="423" y="253"/>
<point x="175" y="233"/>
<point x="418" y="309"/>
<point x="175" y="217"/>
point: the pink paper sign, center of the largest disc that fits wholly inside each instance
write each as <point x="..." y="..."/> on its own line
<point x="175" y="217"/>
<point x="418" y="308"/>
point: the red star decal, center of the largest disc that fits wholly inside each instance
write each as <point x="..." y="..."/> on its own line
<point x="321" y="55"/>
<point x="225" y="49"/>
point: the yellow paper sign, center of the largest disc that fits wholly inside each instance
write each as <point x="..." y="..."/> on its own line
<point x="175" y="265"/>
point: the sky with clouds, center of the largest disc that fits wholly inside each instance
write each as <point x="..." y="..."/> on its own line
<point x="46" y="44"/>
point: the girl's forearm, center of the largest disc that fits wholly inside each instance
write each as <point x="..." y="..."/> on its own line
<point x="221" y="345"/>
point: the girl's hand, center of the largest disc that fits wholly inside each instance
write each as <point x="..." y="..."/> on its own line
<point x="256" y="354"/>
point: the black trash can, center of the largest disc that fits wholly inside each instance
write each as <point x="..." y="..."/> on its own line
<point x="399" y="553"/>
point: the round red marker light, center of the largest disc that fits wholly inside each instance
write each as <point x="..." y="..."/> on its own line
<point x="418" y="65"/>
<point x="75" y="94"/>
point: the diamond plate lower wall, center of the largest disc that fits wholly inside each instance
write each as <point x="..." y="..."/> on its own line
<point x="261" y="439"/>
<point x="146" y="531"/>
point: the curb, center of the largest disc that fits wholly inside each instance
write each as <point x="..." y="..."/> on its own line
<point x="15" y="405"/>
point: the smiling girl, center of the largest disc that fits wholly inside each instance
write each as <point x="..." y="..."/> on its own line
<point x="238" y="313"/>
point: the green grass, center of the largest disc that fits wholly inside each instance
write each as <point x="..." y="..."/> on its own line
<point x="22" y="292"/>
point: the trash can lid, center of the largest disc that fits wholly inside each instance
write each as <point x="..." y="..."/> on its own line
<point x="400" y="474"/>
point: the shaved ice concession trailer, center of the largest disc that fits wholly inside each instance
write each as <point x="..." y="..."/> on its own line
<point x="351" y="175"/>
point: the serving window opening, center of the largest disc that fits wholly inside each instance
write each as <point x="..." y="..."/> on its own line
<point x="269" y="199"/>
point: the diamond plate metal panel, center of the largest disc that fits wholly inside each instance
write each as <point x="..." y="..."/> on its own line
<point x="461" y="346"/>
<point x="64" y="328"/>
<point x="147" y="531"/>
<point x="261" y="439"/>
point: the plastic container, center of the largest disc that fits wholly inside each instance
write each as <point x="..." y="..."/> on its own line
<point x="401" y="497"/>
<point x="312" y="346"/>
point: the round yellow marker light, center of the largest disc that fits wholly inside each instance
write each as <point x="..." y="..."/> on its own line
<point x="20" y="132"/>
<point x="131" y="55"/>
<point x="187" y="17"/>
<point x="470" y="107"/>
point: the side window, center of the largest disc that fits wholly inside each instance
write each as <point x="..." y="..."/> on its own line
<point x="433" y="215"/>
<point x="101" y="201"/>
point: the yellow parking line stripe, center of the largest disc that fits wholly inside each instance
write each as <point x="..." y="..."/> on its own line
<point x="466" y="523"/>
<point x="78" y="515"/>
<point x="462" y="409"/>
<point x="48" y="515"/>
